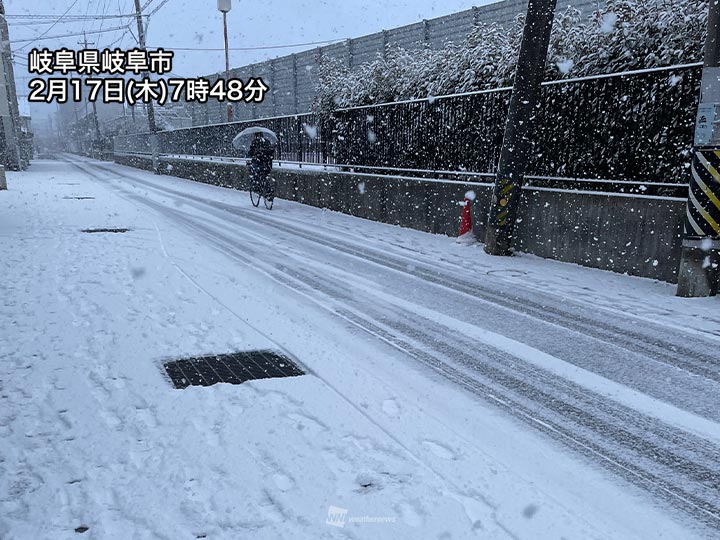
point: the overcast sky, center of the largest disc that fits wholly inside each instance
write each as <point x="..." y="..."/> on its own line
<point x="197" y="23"/>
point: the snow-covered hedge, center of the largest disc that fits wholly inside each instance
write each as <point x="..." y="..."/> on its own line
<point x="624" y="35"/>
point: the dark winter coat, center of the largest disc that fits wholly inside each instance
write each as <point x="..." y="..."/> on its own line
<point x="261" y="155"/>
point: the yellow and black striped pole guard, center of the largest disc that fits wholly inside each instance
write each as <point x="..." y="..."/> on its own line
<point x="703" y="210"/>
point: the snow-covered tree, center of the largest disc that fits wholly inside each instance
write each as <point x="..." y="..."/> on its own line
<point x="623" y="35"/>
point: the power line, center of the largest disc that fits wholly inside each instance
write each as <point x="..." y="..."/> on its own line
<point x="53" y="26"/>
<point x="104" y="10"/>
<point x="19" y="60"/>
<point x="118" y="40"/>
<point x="124" y="33"/>
<point x="260" y="48"/>
<point x="129" y="29"/>
<point x="54" y="20"/>
<point x="154" y="11"/>
<point x="70" y="17"/>
<point x="42" y="22"/>
<point x="87" y="10"/>
<point x="33" y="40"/>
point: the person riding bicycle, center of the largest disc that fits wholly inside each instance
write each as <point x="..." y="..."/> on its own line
<point x="261" y="157"/>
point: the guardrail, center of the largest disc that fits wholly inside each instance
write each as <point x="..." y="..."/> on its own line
<point x="660" y="190"/>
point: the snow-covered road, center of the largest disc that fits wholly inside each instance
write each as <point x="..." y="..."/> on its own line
<point x="451" y="394"/>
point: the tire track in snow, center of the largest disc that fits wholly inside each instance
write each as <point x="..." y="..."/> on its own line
<point x="474" y="503"/>
<point x="675" y="353"/>
<point x="643" y="450"/>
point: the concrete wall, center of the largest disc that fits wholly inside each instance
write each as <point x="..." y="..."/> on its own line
<point x="293" y="78"/>
<point x="639" y="236"/>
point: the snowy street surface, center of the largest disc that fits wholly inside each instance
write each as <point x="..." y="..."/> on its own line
<point x="449" y="394"/>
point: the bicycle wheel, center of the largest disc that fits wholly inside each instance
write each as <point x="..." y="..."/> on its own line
<point x="254" y="185"/>
<point x="254" y="197"/>
<point x="269" y="193"/>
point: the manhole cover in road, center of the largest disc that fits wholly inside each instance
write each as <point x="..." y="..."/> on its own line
<point x="233" y="368"/>
<point x="80" y="198"/>
<point x="105" y="230"/>
<point x="506" y="272"/>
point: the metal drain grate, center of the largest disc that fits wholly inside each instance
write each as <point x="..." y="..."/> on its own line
<point x="105" y="230"/>
<point x="233" y="368"/>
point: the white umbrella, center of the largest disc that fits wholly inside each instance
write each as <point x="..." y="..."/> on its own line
<point x="243" y="139"/>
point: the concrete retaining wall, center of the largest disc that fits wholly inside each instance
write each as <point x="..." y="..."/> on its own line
<point x="640" y="236"/>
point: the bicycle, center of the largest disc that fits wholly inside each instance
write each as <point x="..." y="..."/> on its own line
<point x="262" y="189"/>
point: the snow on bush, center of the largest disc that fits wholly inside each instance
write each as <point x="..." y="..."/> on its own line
<point x="310" y="131"/>
<point x="624" y="35"/>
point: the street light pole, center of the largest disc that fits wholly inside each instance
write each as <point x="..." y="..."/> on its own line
<point x="225" y="6"/>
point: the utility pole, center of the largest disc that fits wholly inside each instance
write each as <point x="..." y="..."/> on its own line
<point x="85" y="44"/>
<point x="519" y="127"/>
<point x="149" y="107"/>
<point x="78" y="140"/>
<point x="141" y="39"/>
<point x="61" y="140"/>
<point x="225" y="6"/>
<point x="699" y="274"/>
<point x="9" y="110"/>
